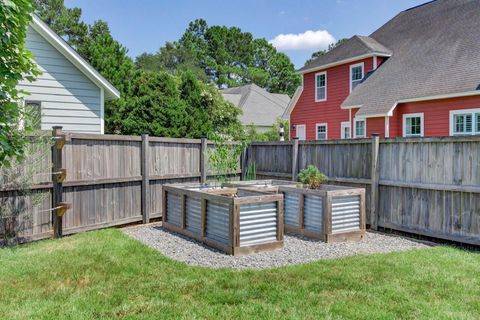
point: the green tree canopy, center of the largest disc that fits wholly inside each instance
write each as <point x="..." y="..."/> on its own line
<point x="169" y="95"/>
<point x="161" y="104"/>
<point x="226" y="56"/>
<point x="16" y="65"/>
<point x="66" y="22"/>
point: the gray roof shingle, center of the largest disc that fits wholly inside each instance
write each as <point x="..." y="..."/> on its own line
<point x="259" y="107"/>
<point x="436" y="51"/>
<point x="353" y="47"/>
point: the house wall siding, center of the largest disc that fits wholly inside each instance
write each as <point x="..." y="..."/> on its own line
<point x="309" y="112"/>
<point x="68" y="98"/>
<point x="376" y="125"/>
<point x="436" y="114"/>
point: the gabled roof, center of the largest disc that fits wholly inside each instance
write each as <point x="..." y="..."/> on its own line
<point x="435" y="55"/>
<point x="58" y="43"/>
<point x="259" y="107"/>
<point x="355" y="48"/>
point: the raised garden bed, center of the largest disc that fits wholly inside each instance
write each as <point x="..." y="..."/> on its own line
<point x="235" y="221"/>
<point x="330" y="213"/>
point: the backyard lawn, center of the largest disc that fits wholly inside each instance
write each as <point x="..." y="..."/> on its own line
<point x="105" y="274"/>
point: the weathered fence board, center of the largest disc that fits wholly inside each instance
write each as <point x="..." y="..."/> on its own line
<point x="105" y="180"/>
<point x="428" y="186"/>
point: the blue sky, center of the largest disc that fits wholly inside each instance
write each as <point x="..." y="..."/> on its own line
<point x="145" y="25"/>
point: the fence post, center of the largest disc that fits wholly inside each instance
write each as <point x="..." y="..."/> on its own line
<point x="145" y="196"/>
<point x="203" y="160"/>
<point x="57" y="183"/>
<point x="375" y="174"/>
<point x="243" y="163"/>
<point x="295" y="159"/>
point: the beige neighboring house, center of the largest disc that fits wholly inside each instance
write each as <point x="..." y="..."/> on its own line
<point x="260" y="108"/>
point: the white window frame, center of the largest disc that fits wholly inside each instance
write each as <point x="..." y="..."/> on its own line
<point x="422" y="124"/>
<point x="316" y="86"/>
<point x="355" y="127"/>
<point x="361" y="64"/>
<point x="474" y="122"/>
<point x="296" y="131"/>
<point x="343" y="125"/>
<point x="326" y="130"/>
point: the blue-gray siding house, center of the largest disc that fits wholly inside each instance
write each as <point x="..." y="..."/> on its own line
<point x="69" y="92"/>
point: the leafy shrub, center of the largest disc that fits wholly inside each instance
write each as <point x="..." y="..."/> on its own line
<point x="312" y="177"/>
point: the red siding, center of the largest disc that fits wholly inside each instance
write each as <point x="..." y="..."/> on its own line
<point x="435" y="114"/>
<point x="309" y="112"/>
<point x="374" y="125"/>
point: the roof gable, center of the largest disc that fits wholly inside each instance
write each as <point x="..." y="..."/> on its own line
<point x="355" y="48"/>
<point x="259" y="107"/>
<point x="59" y="44"/>
<point x="435" y="53"/>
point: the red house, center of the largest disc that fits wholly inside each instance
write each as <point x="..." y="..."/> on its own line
<point x="416" y="76"/>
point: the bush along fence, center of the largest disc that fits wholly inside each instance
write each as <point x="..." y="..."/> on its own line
<point x="99" y="181"/>
<point x="426" y="186"/>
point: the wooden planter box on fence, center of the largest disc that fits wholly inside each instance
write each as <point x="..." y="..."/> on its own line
<point x="331" y="213"/>
<point x="232" y="220"/>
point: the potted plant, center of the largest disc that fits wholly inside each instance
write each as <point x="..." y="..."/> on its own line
<point x="312" y="177"/>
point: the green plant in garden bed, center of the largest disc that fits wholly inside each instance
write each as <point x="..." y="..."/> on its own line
<point x="105" y="274"/>
<point x="312" y="177"/>
<point x="224" y="157"/>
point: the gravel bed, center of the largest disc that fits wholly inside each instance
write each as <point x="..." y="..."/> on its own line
<point x="296" y="249"/>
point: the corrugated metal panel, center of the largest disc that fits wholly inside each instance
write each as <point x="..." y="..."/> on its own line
<point x="173" y="209"/>
<point x="291" y="203"/>
<point x="313" y="213"/>
<point x="193" y="212"/>
<point x="345" y="214"/>
<point x="218" y="222"/>
<point x="258" y="223"/>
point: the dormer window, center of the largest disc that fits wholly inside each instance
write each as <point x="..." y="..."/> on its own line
<point x="321" y="86"/>
<point x="356" y="75"/>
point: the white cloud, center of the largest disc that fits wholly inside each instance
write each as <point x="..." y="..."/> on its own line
<point x="307" y="40"/>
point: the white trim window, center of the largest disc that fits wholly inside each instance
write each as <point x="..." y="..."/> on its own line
<point x="321" y="86"/>
<point x="301" y="131"/>
<point x="356" y="75"/>
<point x="360" y="127"/>
<point x="413" y="125"/>
<point x="321" y="131"/>
<point x="465" y="122"/>
<point x="345" y="131"/>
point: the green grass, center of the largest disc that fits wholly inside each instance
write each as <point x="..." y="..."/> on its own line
<point x="105" y="274"/>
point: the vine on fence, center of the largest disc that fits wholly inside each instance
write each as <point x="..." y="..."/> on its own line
<point x="224" y="158"/>
<point x="21" y="175"/>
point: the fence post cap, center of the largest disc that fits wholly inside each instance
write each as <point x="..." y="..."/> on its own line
<point x="375" y="134"/>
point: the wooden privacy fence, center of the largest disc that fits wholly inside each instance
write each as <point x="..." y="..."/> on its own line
<point x="110" y="180"/>
<point x="427" y="186"/>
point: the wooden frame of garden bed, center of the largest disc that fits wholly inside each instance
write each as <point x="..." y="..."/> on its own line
<point x="328" y="195"/>
<point x="221" y="205"/>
